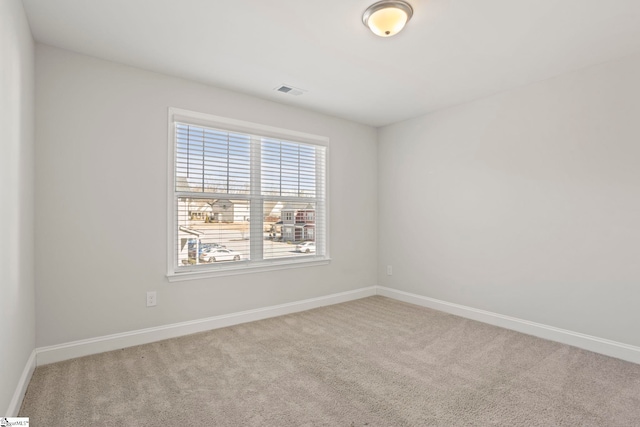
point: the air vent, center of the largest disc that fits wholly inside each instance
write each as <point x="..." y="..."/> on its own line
<point x="290" y="90"/>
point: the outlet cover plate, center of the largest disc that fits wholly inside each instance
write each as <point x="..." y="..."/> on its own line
<point x="151" y="299"/>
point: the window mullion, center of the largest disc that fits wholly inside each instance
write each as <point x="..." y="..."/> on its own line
<point x="203" y="163"/>
<point x="256" y="227"/>
<point x="299" y="167"/>
<point x="228" y="161"/>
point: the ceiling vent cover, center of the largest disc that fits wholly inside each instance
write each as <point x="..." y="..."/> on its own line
<point x="290" y="90"/>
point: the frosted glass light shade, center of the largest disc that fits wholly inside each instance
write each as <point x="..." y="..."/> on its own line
<point x="387" y="18"/>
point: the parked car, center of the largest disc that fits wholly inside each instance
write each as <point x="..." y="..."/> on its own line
<point x="306" y="247"/>
<point x="203" y="246"/>
<point x="219" y="254"/>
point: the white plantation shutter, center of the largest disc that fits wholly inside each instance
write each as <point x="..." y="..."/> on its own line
<point x="245" y="193"/>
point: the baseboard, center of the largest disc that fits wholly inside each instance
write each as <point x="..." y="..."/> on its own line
<point x="57" y="353"/>
<point x="587" y="342"/>
<point x="21" y="389"/>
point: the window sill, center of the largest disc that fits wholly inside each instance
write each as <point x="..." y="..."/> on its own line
<point x="243" y="268"/>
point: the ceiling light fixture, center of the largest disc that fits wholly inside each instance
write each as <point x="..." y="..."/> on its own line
<point x="388" y="17"/>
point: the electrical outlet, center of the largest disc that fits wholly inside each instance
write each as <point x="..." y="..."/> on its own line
<point x="151" y="299"/>
<point x="389" y="270"/>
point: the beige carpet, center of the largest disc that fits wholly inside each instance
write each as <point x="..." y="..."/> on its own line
<point x="371" y="362"/>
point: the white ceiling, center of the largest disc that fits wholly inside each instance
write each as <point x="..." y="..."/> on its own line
<point x="452" y="51"/>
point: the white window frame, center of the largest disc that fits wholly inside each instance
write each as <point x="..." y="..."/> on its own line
<point x="177" y="272"/>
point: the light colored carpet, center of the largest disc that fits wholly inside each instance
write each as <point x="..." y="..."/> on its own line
<point x="371" y="362"/>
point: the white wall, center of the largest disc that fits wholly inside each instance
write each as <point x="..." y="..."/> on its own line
<point x="101" y="165"/>
<point x="17" y="317"/>
<point x="525" y="204"/>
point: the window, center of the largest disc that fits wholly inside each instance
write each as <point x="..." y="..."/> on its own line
<point x="243" y="197"/>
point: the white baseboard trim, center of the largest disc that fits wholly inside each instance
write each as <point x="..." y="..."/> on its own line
<point x="60" y="352"/>
<point x="21" y="389"/>
<point x="615" y="349"/>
